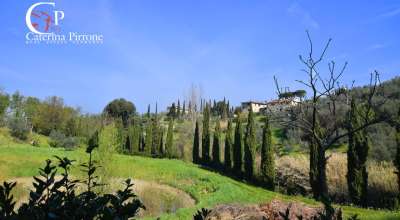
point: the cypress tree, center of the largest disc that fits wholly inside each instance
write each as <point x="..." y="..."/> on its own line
<point x="216" y="146"/>
<point x="178" y="111"/>
<point x="228" y="109"/>
<point x="250" y="146"/>
<point x="141" y="139"/>
<point x="161" y="144"/>
<point x="134" y="133"/>
<point x="148" y="142"/>
<point x="172" y="111"/>
<point x="184" y="108"/>
<point x="155" y="137"/>
<point x="196" y="144"/>
<point x="238" y="148"/>
<point x="170" y="140"/>
<point x="397" y="158"/>
<point x="357" y="176"/>
<point x="206" y="136"/>
<point x="228" y="147"/>
<point x="128" y="148"/>
<point x="148" y="111"/>
<point x="267" y="168"/>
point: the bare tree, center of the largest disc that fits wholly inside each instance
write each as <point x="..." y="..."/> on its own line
<point x="318" y="115"/>
<point x="195" y="94"/>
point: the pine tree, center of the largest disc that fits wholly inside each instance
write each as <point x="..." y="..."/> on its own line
<point x="196" y="144"/>
<point x="228" y="147"/>
<point x="238" y="148"/>
<point x="206" y="136"/>
<point x="357" y="176"/>
<point x="250" y="146"/>
<point x="216" y="158"/>
<point x="397" y="158"/>
<point x="148" y="142"/>
<point x="169" y="150"/>
<point x="267" y="168"/>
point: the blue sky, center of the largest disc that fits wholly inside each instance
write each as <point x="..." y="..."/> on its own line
<point x="154" y="50"/>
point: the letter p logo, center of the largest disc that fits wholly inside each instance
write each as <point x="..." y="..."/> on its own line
<point x="58" y="15"/>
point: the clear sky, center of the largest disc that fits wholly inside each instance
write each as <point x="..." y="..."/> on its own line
<point x="154" y="50"/>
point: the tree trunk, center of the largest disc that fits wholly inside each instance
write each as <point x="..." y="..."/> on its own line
<point x="318" y="172"/>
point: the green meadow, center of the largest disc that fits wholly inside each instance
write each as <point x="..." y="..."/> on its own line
<point x="207" y="188"/>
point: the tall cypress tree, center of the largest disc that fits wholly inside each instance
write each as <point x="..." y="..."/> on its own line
<point x="148" y="111"/>
<point x="141" y="139"/>
<point x="178" y="110"/>
<point x="148" y="142"/>
<point x="128" y="147"/>
<point x="155" y="137"/>
<point x="184" y="108"/>
<point x="357" y="176"/>
<point x="228" y="147"/>
<point x="238" y="148"/>
<point x="196" y="144"/>
<point x="206" y="136"/>
<point x="267" y="168"/>
<point x="397" y="158"/>
<point x="216" y="158"/>
<point x="134" y="132"/>
<point x="250" y="146"/>
<point x="169" y="149"/>
<point x="161" y="150"/>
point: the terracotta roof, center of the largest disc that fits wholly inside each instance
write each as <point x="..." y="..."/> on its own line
<point x="255" y="102"/>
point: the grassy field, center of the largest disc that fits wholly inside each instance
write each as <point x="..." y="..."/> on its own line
<point x="206" y="187"/>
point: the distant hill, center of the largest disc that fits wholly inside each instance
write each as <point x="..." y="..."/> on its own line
<point x="382" y="135"/>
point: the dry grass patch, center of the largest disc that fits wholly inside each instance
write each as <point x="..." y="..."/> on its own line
<point x="293" y="174"/>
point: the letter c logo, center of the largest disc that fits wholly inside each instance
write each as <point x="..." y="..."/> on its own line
<point x="29" y="14"/>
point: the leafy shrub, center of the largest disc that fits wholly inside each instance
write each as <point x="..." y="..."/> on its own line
<point x="19" y="128"/>
<point x="58" y="139"/>
<point x="201" y="214"/>
<point x="57" y="199"/>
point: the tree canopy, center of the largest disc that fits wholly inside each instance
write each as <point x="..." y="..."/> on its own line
<point x="120" y="108"/>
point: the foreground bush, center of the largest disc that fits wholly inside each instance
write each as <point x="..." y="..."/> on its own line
<point x="58" y="199"/>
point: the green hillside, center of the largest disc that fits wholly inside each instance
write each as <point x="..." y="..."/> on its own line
<point x="206" y="187"/>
